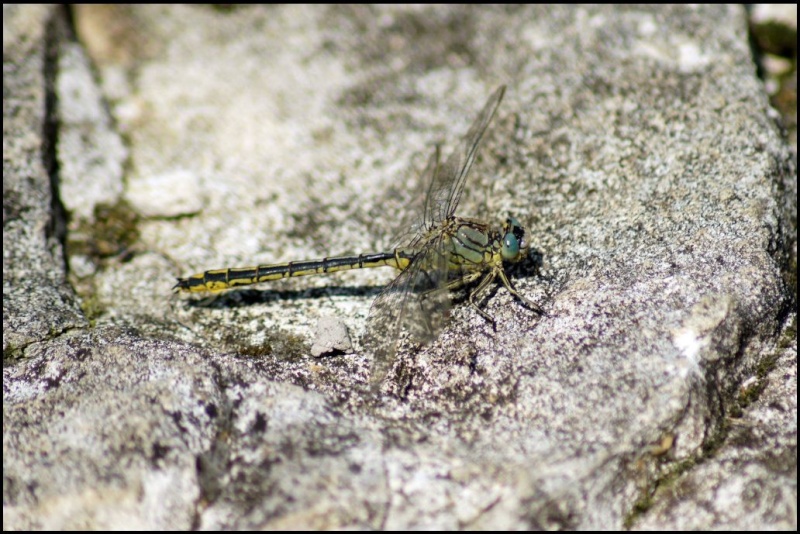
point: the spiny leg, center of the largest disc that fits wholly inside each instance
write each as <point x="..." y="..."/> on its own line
<point x="466" y="280"/>
<point x="482" y="286"/>
<point x="527" y="303"/>
<point x="453" y="285"/>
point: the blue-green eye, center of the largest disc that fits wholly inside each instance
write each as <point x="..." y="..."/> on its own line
<point x="510" y="249"/>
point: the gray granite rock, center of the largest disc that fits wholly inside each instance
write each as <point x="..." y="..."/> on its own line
<point x="37" y="301"/>
<point x="636" y="144"/>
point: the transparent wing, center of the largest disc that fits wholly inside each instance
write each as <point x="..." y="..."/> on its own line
<point x="447" y="181"/>
<point x="412" y="226"/>
<point x="441" y="184"/>
<point x="415" y="304"/>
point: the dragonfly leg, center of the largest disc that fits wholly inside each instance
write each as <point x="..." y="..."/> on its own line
<point x="488" y="279"/>
<point x="463" y="281"/>
<point x="452" y="285"/>
<point x="527" y="303"/>
<point x="466" y="280"/>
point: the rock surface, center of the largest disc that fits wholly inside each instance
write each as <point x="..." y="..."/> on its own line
<point x="636" y="144"/>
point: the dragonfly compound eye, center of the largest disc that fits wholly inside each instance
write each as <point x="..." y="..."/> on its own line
<point x="510" y="250"/>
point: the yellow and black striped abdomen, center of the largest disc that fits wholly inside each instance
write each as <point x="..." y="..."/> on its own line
<point x="220" y="279"/>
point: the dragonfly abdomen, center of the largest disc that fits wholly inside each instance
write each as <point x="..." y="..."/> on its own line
<point x="220" y="279"/>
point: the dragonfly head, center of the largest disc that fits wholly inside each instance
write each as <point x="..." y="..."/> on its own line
<point x="515" y="242"/>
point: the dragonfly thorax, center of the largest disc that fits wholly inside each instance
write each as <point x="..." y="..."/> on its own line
<point x="473" y="245"/>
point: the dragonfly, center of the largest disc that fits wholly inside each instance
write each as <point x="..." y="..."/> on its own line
<point x="437" y="253"/>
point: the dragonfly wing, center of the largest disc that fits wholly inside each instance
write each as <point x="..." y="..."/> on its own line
<point x="443" y="182"/>
<point x="412" y="226"/>
<point x="447" y="182"/>
<point x="412" y="308"/>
